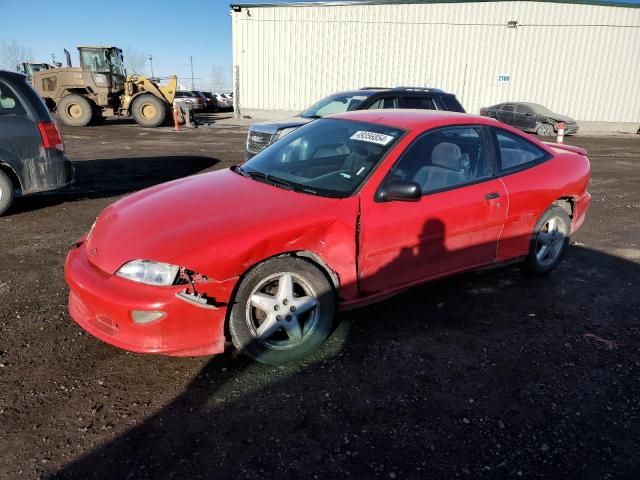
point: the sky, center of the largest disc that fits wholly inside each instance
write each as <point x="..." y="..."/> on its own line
<point x="171" y="31"/>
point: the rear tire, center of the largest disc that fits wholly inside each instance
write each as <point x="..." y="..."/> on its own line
<point x="549" y="241"/>
<point x="75" y="110"/>
<point x="6" y="192"/>
<point x="283" y="311"/>
<point x="149" y="111"/>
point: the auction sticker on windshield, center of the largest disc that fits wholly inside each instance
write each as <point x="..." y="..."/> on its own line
<point x="372" y="137"/>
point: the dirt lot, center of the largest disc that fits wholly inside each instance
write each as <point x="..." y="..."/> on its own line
<point x="484" y="375"/>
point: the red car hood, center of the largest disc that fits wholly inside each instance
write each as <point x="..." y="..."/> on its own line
<point x="220" y="208"/>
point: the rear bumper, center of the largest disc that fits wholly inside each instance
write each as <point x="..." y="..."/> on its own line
<point x="102" y="304"/>
<point x="52" y="172"/>
<point x="580" y="209"/>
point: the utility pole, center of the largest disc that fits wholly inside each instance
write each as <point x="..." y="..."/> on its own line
<point x="53" y="59"/>
<point x="191" y="60"/>
<point x="151" y="62"/>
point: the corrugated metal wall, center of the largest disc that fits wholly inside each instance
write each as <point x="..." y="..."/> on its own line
<point x="581" y="60"/>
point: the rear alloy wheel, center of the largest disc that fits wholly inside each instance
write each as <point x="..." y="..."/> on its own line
<point x="545" y="130"/>
<point x="284" y="310"/>
<point x="149" y="111"/>
<point x="6" y="192"/>
<point x="549" y="242"/>
<point x="75" y="110"/>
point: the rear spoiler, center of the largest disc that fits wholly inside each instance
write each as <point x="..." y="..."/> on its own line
<point x="568" y="148"/>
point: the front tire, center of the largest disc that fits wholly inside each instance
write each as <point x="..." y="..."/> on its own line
<point x="549" y="241"/>
<point x="545" y="130"/>
<point x="283" y="311"/>
<point x="6" y="192"/>
<point x="75" y="110"/>
<point x="149" y="111"/>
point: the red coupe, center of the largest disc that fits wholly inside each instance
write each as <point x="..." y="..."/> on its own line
<point x="342" y="212"/>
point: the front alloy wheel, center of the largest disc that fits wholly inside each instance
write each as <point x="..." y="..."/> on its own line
<point x="283" y="311"/>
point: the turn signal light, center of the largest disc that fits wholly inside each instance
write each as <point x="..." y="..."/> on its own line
<point x="142" y="317"/>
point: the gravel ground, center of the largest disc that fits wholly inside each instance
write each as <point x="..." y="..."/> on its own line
<point x="483" y="375"/>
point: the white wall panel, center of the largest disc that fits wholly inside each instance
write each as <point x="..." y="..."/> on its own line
<point x="581" y="60"/>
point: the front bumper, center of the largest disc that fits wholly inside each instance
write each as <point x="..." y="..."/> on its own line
<point x="102" y="304"/>
<point x="569" y="129"/>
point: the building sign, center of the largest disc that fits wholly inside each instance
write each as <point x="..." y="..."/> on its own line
<point x="504" y="78"/>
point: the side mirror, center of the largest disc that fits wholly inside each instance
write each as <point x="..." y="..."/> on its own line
<point x="399" y="190"/>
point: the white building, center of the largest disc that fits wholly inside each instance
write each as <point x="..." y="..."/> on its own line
<point x="579" y="58"/>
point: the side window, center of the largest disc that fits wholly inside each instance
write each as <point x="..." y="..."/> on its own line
<point x="523" y="109"/>
<point x="450" y="103"/>
<point x="507" y="108"/>
<point x="9" y="102"/>
<point x="445" y="158"/>
<point x="515" y="151"/>
<point x="425" y="103"/>
<point x="387" y="102"/>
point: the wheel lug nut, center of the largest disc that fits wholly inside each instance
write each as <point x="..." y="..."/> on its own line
<point x="288" y="318"/>
<point x="285" y="301"/>
<point x="293" y="308"/>
<point x="278" y="317"/>
<point x="276" y="307"/>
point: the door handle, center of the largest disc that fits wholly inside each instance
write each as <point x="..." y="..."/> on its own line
<point x="492" y="196"/>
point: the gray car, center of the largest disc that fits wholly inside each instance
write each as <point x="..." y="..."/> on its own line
<point x="531" y="117"/>
<point x="32" y="155"/>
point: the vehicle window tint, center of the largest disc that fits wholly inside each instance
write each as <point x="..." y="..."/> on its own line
<point x="450" y="103"/>
<point x="508" y="108"/>
<point x="9" y="103"/>
<point x="444" y="158"/>
<point x="515" y="151"/>
<point x="425" y="103"/>
<point x="523" y="109"/>
<point x="388" y="102"/>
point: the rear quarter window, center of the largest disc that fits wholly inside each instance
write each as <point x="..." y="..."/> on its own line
<point x="10" y="104"/>
<point x="516" y="152"/>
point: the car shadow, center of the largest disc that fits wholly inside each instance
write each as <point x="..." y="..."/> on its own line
<point x="424" y="384"/>
<point x="105" y="178"/>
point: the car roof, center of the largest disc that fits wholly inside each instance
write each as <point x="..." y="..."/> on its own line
<point x="410" y="119"/>
<point x="368" y="91"/>
<point x="15" y="76"/>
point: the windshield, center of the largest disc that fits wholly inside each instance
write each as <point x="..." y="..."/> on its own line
<point x="94" y="60"/>
<point x="539" y="109"/>
<point x="330" y="157"/>
<point x="341" y="102"/>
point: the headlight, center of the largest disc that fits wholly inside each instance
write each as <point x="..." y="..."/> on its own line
<point x="151" y="273"/>
<point x="284" y="132"/>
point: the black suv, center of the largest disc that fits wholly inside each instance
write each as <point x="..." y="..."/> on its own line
<point x="32" y="155"/>
<point x="264" y="134"/>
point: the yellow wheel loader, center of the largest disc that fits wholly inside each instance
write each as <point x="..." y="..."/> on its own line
<point x="100" y="87"/>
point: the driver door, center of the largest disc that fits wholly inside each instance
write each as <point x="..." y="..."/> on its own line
<point x="456" y="224"/>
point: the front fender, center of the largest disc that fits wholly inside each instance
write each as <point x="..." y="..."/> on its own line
<point x="331" y="238"/>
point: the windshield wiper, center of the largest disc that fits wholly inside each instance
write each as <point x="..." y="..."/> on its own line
<point x="266" y="178"/>
<point x="275" y="181"/>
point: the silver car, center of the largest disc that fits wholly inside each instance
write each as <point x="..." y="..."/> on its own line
<point x="194" y="99"/>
